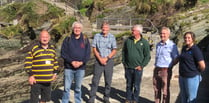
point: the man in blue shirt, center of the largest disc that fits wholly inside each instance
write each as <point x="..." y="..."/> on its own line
<point x="166" y="58"/>
<point x="104" y="48"/>
<point x="75" y="52"/>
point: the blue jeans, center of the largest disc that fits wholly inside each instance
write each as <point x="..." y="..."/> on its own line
<point x="133" y="81"/>
<point x="188" y="88"/>
<point x="71" y="75"/>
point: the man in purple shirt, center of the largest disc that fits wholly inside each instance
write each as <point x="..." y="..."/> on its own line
<point x="166" y="58"/>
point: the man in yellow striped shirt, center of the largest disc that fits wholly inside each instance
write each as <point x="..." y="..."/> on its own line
<point x="42" y="66"/>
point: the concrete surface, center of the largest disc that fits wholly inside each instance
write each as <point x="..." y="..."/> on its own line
<point x="119" y="85"/>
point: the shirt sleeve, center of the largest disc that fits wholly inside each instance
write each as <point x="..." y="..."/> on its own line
<point x="198" y="56"/>
<point x="56" y="66"/>
<point x="94" y="42"/>
<point x="114" y="43"/>
<point x="88" y="51"/>
<point x="174" y="53"/>
<point x="28" y="63"/>
<point x="146" y="53"/>
<point x="124" y="53"/>
<point x="65" y="51"/>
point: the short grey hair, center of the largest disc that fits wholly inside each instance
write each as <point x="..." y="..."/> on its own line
<point x="75" y="23"/>
<point x="139" y="28"/>
<point x="167" y="29"/>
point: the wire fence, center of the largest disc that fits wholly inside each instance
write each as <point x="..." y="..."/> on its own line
<point x="124" y="24"/>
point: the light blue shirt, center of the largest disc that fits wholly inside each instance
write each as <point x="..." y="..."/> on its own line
<point x="103" y="44"/>
<point x="165" y="54"/>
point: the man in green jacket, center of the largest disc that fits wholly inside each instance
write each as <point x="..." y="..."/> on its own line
<point x="136" y="55"/>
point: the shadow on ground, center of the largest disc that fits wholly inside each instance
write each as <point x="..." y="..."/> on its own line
<point x="115" y="94"/>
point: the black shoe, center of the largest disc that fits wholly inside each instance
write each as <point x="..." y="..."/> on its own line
<point x="90" y="102"/>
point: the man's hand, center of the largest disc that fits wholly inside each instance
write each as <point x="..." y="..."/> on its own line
<point x="103" y="61"/>
<point x="54" y="77"/>
<point x="32" y="80"/>
<point x="138" y="68"/>
<point x="77" y="64"/>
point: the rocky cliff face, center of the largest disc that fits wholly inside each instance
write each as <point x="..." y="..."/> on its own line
<point x="14" y="86"/>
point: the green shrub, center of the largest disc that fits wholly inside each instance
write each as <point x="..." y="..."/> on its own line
<point x="204" y="1"/>
<point x="85" y="6"/>
<point x="127" y="33"/>
<point x="54" y="12"/>
<point x="10" y="11"/>
<point x="63" y="26"/>
<point x="83" y="11"/>
<point x="86" y="3"/>
<point x="11" y="31"/>
<point x="100" y="16"/>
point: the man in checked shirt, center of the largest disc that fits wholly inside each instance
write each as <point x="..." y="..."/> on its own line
<point x="42" y="66"/>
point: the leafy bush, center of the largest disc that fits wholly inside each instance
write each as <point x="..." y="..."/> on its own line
<point x="86" y="3"/>
<point x="101" y="16"/>
<point x="83" y="11"/>
<point x="10" y="11"/>
<point x="11" y="31"/>
<point x="127" y="33"/>
<point x="204" y="1"/>
<point x="85" y="6"/>
<point x="63" y="26"/>
<point x="54" y="12"/>
<point x="28" y="15"/>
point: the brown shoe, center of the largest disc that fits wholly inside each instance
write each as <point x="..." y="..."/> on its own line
<point x="127" y="101"/>
<point x="133" y="102"/>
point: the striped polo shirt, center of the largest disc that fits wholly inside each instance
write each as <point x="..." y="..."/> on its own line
<point x="41" y="63"/>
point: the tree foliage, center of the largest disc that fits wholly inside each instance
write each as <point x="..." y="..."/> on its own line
<point x="152" y="6"/>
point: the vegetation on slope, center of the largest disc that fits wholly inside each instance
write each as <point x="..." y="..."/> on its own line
<point x="32" y="14"/>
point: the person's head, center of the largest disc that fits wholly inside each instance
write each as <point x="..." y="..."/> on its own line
<point x="105" y="28"/>
<point x="189" y="38"/>
<point x="44" y="37"/>
<point x="77" y="28"/>
<point x="164" y="34"/>
<point x="137" y="30"/>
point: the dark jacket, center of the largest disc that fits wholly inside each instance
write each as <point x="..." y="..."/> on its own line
<point x="134" y="55"/>
<point x="75" y="50"/>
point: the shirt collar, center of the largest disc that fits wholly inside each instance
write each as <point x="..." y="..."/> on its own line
<point x="104" y="36"/>
<point x="39" y="45"/>
<point x="166" y="42"/>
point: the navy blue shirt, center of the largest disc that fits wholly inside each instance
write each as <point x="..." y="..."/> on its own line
<point x="75" y="50"/>
<point x="188" y="61"/>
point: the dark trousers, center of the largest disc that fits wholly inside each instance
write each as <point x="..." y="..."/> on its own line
<point x="161" y="83"/>
<point x="133" y="81"/>
<point x="97" y="73"/>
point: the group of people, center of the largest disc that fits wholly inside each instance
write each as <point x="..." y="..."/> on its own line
<point x="42" y="66"/>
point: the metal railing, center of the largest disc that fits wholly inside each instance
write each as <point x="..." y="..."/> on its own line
<point x="124" y="24"/>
